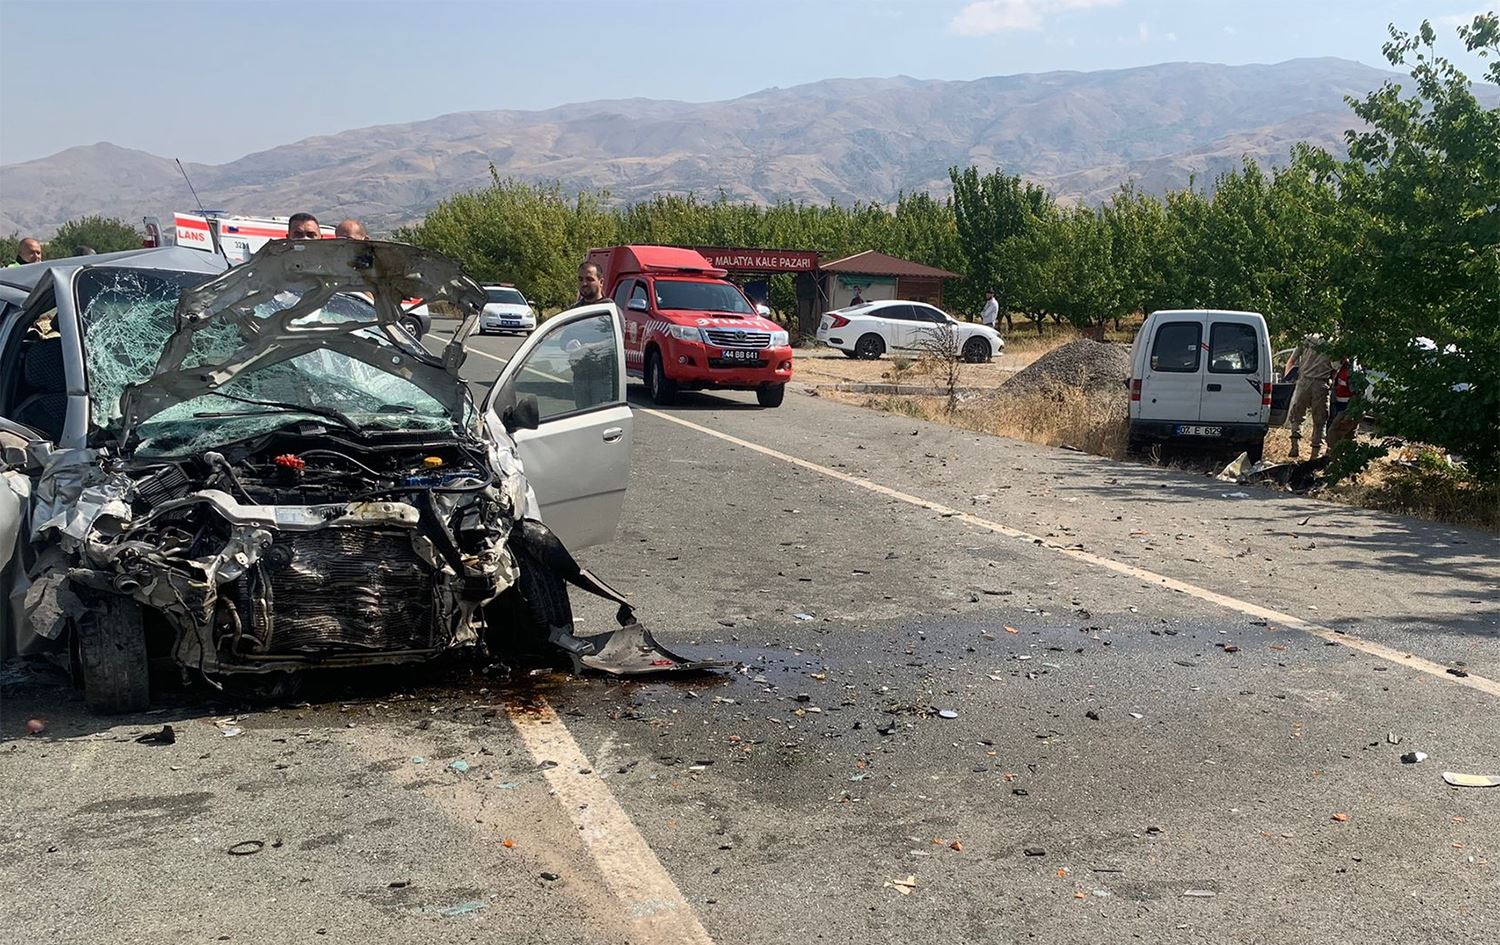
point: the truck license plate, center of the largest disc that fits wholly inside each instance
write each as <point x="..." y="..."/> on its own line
<point x="1184" y="429"/>
<point x="731" y="354"/>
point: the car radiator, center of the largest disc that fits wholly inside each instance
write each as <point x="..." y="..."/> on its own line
<point x="340" y="589"/>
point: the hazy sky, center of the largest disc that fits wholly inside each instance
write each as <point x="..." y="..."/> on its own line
<point x="211" y="80"/>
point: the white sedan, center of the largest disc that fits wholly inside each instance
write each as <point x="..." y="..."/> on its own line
<point x="870" y="329"/>
<point x="506" y="309"/>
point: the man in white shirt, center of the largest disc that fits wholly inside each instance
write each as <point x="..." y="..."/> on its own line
<point x="991" y="310"/>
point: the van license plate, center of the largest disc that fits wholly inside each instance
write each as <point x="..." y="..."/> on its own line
<point x="1184" y="429"/>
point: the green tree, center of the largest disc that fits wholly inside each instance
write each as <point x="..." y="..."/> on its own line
<point x="102" y="234"/>
<point x="989" y="211"/>
<point x="1419" y="223"/>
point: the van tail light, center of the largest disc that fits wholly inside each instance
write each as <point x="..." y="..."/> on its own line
<point x="838" y="321"/>
<point x="1265" y="395"/>
<point x="1135" y="389"/>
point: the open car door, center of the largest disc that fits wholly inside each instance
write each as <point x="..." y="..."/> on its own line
<point x="577" y="459"/>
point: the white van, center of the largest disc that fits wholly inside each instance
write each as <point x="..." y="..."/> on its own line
<point x="1203" y="376"/>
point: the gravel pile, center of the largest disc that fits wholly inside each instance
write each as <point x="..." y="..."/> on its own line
<point x="1086" y="365"/>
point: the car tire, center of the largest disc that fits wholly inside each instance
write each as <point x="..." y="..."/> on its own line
<point x="977" y="351"/>
<point x="770" y="395"/>
<point x="518" y="620"/>
<point x="851" y="355"/>
<point x="663" y="389"/>
<point x="113" y="667"/>
<point x="869" y="347"/>
<point x="413" y="325"/>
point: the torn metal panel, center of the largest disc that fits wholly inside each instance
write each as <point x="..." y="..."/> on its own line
<point x="285" y="303"/>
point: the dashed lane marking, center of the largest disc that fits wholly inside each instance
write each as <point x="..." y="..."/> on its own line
<point x="1399" y="657"/>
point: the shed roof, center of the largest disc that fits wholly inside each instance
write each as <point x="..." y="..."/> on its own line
<point x="871" y="263"/>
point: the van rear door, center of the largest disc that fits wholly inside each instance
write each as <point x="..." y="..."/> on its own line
<point x="1172" y="377"/>
<point x="1235" y="369"/>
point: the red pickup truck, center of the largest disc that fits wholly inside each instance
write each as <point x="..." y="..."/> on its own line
<point x="687" y="328"/>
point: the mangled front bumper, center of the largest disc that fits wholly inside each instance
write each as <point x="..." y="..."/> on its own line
<point x="246" y="588"/>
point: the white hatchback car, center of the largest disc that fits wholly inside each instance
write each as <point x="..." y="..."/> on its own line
<point x="506" y="309"/>
<point x="870" y="329"/>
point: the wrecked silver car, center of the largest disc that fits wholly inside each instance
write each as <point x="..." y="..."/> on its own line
<point x="260" y="470"/>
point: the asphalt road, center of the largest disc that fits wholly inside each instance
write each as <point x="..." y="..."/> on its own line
<point x="990" y="692"/>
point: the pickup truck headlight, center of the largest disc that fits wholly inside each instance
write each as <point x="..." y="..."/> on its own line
<point x="685" y="333"/>
<point x="780" y="339"/>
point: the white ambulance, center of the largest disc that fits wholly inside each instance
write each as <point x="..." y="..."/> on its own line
<point x="240" y="237"/>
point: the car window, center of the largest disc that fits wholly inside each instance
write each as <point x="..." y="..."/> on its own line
<point x="684" y="296"/>
<point x="640" y="292"/>
<point x="622" y="291"/>
<point x="900" y="313"/>
<point x="504" y="296"/>
<point x="927" y="313"/>
<point x="1233" y="349"/>
<point x="572" y="369"/>
<point x="1176" y="347"/>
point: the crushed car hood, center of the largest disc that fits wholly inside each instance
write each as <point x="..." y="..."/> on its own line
<point x="270" y="309"/>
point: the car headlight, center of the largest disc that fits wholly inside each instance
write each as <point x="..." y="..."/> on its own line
<point x="780" y="339"/>
<point x="685" y="333"/>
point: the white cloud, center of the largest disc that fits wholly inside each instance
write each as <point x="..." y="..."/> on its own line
<point x="986" y="17"/>
<point x="1461" y="19"/>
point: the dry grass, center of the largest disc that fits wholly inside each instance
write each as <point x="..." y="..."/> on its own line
<point x="1414" y="481"/>
<point x="824" y="366"/>
<point x="1417" y="481"/>
<point x="1097" y="424"/>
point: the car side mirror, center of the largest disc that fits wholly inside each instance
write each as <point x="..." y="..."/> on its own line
<point x="636" y="305"/>
<point x="524" y="414"/>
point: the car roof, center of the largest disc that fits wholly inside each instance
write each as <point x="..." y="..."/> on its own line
<point x="883" y="303"/>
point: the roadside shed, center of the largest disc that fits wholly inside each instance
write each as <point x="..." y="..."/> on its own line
<point x="879" y="276"/>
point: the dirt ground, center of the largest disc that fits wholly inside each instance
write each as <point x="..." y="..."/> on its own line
<point x="825" y="367"/>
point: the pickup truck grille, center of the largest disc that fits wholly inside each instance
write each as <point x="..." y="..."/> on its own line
<point x="738" y="338"/>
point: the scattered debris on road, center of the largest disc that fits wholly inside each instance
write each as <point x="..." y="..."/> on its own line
<point x="902" y="886"/>
<point x="1459" y="779"/>
<point x="164" y="737"/>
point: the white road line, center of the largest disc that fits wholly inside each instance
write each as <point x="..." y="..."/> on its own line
<point x="1479" y="683"/>
<point x="655" y="907"/>
<point x="484" y="355"/>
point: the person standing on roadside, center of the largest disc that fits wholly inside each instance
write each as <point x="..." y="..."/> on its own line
<point x="991" y="311"/>
<point x="29" y="251"/>
<point x="590" y="284"/>
<point x="350" y="229"/>
<point x="1314" y="372"/>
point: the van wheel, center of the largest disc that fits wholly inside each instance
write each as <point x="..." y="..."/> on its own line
<point x="771" y="395"/>
<point x="976" y="351"/>
<point x="1255" y="451"/>
<point x="869" y="347"/>
<point x="112" y="658"/>
<point x="663" y="389"/>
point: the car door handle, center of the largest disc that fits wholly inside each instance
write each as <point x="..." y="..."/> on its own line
<point x="613" y="435"/>
<point x="1215" y="387"/>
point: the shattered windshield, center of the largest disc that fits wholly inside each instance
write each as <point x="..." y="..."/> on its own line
<point x="128" y="317"/>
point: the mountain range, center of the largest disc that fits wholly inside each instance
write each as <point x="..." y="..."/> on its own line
<point x="1081" y="134"/>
